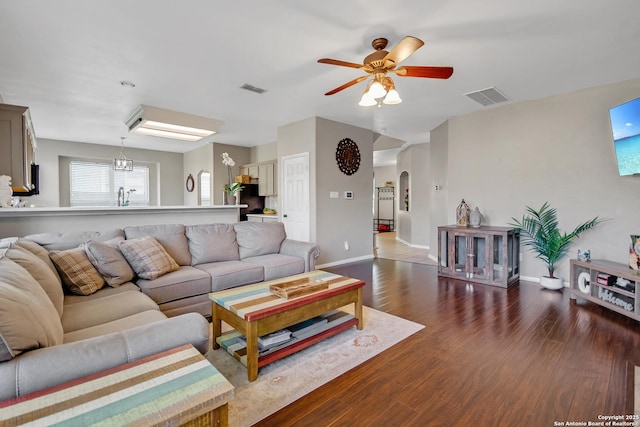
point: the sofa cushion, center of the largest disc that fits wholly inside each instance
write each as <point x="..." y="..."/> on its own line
<point x="72" y="239"/>
<point x="102" y="310"/>
<point x="171" y="236"/>
<point x="117" y="325"/>
<point x="76" y="271"/>
<point x="109" y="261"/>
<point x="212" y="242"/>
<point x="104" y="292"/>
<point x="147" y="257"/>
<point x="41" y="272"/>
<point x="185" y="282"/>
<point x="259" y="238"/>
<point x="28" y="319"/>
<point x="277" y="265"/>
<point x="229" y="274"/>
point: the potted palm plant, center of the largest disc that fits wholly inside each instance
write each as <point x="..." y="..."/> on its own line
<point x="540" y="232"/>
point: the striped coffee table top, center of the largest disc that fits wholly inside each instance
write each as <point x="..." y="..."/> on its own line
<point x="168" y="388"/>
<point x="253" y="302"/>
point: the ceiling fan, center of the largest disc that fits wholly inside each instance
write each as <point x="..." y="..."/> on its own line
<point x="381" y="62"/>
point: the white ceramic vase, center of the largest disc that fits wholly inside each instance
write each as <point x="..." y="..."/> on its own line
<point x="553" y="283"/>
<point x="475" y="218"/>
<point x="6" y="191"/>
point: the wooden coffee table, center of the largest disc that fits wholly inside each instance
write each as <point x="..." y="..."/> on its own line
<point x="176" y="387"/>
<point x="254" y="311"/>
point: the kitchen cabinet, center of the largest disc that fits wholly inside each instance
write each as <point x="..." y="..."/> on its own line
<point x="262" y="218"/>
<point x="267" y="179"/>
<point x="267" y="175"/>
<point x="488" y="255"/>
<point x="17" y="147"/>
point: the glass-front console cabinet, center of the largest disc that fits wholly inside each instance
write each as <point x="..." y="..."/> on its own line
<point x="488" y="255"/>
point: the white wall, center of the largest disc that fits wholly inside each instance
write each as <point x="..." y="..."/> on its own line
<point x="413" y="226"/>
<point x="558" y="149"/>
<point x="382" y="174"/>
<point x="168" y="168"/>
<point x="200" y="159"/>
<point x="264" y="152"/>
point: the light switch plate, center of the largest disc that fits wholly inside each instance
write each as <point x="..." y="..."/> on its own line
<point x="334" y="195"/>
<point x="348" y="195"/>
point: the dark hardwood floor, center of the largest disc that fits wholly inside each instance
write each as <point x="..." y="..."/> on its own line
<point x="487" y="357"/>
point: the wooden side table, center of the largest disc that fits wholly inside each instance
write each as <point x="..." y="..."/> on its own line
<point x="176" y="387"/>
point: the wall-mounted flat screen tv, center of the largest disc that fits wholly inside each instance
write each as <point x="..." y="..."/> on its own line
<point x="625" y="125"/>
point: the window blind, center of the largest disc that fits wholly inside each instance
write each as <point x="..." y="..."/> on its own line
<point x="97" y="184"/>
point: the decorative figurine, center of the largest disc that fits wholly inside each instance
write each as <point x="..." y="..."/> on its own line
<point x="462" y="214"/>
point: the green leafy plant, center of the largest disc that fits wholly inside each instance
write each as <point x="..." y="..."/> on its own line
<point x="233" y="188"/>
<point x="539" y="232"/>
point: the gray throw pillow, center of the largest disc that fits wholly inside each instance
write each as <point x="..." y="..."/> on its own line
<point x="109" y="261"/>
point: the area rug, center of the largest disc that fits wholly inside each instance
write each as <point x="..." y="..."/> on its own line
<point x="290" y="378"/>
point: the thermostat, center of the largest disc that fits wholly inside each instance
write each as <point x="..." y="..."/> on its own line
<point x="348" y="194"/>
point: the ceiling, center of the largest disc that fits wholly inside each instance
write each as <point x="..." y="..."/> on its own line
<point x="65" y="60"/>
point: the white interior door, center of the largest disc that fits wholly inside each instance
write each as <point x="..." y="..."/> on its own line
<point x="295" y="201"/>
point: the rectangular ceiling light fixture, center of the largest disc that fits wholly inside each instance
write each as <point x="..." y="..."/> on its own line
<point x="153" y="121"/>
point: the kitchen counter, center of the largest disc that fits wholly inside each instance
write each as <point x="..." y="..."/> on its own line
<point x="23" y="221"/>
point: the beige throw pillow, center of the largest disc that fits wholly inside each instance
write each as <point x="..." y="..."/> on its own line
<point x="148" y="258"/>
<point x="77" y="273"/>
<point x="40" y="271"/>
<point x="109" y="261"/>
<point x="28" y="319"/>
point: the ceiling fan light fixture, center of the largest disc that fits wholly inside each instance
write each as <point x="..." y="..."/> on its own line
<point x="377" y="90"/>
<point x="367" y="100"/>
<point x="392" y="98"/>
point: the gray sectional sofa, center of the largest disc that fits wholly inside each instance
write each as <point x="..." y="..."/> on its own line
<point x="77" y="303"/>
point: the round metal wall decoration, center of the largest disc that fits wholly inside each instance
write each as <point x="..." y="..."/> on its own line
<point x="348" y="156"/>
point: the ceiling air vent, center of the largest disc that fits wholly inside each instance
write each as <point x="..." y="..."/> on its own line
<point x="252" y="88"/>
<point x="486" y="97"/>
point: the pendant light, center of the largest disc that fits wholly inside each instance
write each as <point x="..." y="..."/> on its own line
<point x="121" y="163"/>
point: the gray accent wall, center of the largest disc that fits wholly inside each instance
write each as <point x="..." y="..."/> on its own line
<point x="165" y="167"/>
<point x="557" y="149"/>
<point x="334" y="221"/>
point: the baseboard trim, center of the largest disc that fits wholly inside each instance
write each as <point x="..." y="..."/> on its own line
<point x="345" y="261"/>
<point x="412" y="245"/>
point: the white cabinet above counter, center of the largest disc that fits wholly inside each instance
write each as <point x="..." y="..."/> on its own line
<point x="267" y="175"/>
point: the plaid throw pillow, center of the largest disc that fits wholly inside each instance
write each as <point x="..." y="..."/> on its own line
<point x="147" y="257"/>
<point x="76" y="271"/>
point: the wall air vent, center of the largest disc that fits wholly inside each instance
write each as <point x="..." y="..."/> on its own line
<point x="486" y="97"/>
<point x="252" y="88"/>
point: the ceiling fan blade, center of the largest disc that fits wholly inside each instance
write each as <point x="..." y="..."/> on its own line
<point x="346" y="85"/>
<point x="337" y="62"/>
<point x="404" y="49"/>
<point x="428" y="72"/>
